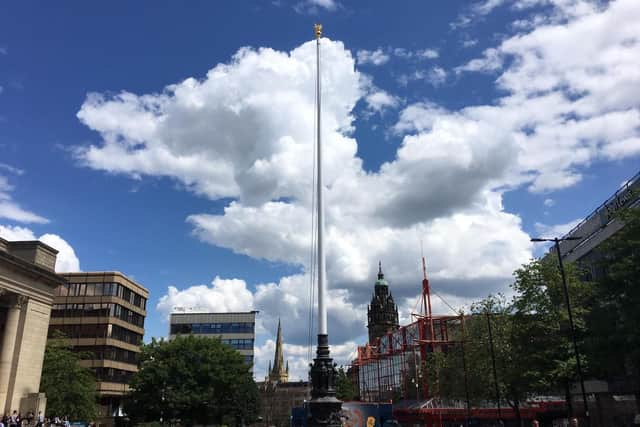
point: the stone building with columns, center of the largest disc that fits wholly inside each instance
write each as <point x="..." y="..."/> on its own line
<point x="27" y="284"/>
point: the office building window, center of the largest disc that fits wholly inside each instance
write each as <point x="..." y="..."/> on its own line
<point x="101" y="289"/>
<point x="213" y="328"/>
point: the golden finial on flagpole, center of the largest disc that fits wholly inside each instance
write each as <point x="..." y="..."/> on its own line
<point x="318" y="30"/>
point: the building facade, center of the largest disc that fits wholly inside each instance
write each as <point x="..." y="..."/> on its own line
<point x="102" y="314"/>
<point x="382" y="312"/>
<point x="234" y="329"/>
<point x="27" y="284"/>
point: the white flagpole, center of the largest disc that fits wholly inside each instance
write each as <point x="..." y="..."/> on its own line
<point x="322" y="285"/>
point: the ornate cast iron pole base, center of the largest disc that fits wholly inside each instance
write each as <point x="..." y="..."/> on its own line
<point x="324" y="408"/>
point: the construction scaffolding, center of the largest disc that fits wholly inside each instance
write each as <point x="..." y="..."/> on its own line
<point x="394" y="369"/>
<point x="390" y="368"/>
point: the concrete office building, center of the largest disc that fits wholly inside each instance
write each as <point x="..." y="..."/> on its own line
<point x="598" y="227"/>
<point x="27" y="283"/>
<point x="102" y="314"/>
<point x="234" y="329"/>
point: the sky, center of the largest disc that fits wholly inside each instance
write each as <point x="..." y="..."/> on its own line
<point x="174" y="142"/>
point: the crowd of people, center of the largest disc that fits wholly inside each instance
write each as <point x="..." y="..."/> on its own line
<point x="31" y="420"/>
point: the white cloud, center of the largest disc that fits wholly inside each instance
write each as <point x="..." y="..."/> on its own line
<point x="374" y="57"/>
<point x="475" y="11"/>
<point x="342" y="354"/>
<point x="288" y="299"/>
<point x="380" y="100"/>
<point x="569" y="102"/>
<point x="469" y="42"/>
<point x="245" y="131"/>
<point x="556" y="230"/>
<point x="428" y="53"/>
<point x="11" y="210"/>
<point x="549" y="202"/>
<point x="555" y="11"/>
<point x="490" y="61"/>
<point x="11" y="169"/>
<point x="66" y="260"/>
<point x="435" y="76"/>
<point x="223" y="296"/>
<point x="314" y="6"/>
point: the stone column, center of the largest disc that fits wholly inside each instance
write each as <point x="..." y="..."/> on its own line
<point x="7" y="349"/>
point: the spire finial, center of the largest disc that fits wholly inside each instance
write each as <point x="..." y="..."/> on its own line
<point x="317" y="28"/>
<point x="380" y="274"/>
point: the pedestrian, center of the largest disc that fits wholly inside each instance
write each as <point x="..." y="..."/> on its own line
<point x="40" y="422"/>
<point x="13" y="419"/>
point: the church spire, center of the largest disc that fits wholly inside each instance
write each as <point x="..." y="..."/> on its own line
<point x="279" y="373"/>
<point x="380" y="274"/>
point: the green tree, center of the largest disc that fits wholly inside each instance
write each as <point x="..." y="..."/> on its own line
<point x="532" y="349"/>
<point x="193" y="380"/>
<point x="70" y="387"/>
<point x="345" y="388"/>
<point x="541" y="335"/>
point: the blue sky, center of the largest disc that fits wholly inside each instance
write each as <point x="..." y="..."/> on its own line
<point x="160" y="140"/>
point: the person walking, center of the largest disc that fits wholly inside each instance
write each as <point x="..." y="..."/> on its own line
<point x="13" y="419"/>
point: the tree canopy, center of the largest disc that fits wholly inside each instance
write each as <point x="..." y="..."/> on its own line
<point x="527" y="337"/>
<point x="345" y="388"/>
<point x="70" y="387"/>
<point x="193" y="380"/>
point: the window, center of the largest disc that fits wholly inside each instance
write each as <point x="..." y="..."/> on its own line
<point x="62" y="290"/>
<point x="91" y="289"/>
<point x="181" y="329"/>
<point x="239" y="344"/>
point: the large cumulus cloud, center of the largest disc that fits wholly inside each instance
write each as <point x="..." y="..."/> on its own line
<point x="245" y="132"/>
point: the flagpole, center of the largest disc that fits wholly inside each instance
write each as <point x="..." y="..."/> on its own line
<point x="324" y="407"/>
<point x="322" y="285"/>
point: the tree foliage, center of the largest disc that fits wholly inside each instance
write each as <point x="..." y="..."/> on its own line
<point x="345" y="388"/>
<point x="70" y="387"/>
<point x="192" y="380"/>
<point x="527" y="337"/>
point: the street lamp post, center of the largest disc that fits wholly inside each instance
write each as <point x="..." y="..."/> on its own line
<point x="556" y="241"/>
<point x="495" y="371"/>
